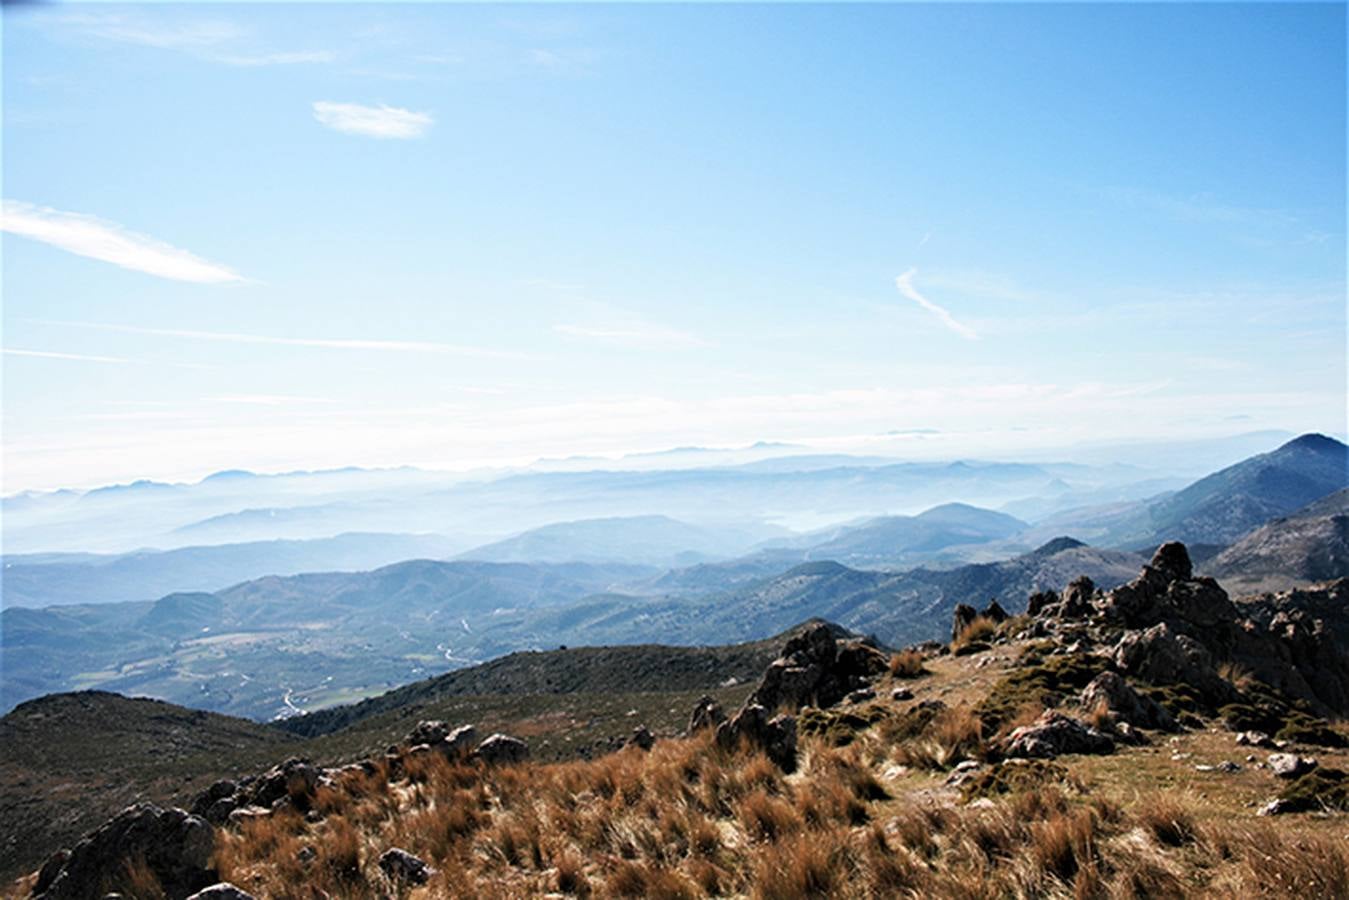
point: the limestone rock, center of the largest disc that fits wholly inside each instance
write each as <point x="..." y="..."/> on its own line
<point x="1290" y="765"/>
<point x="752" y="727"/>
<point x="1054" y="734"/>
<point x="1125" y="703"/>
<point x="501" y="749"/>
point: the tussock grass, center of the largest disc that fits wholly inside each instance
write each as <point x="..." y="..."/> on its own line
<point x="688" y="819"/>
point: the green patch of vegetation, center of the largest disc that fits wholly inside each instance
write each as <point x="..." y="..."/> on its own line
<point x="1319" y="789"/>
<point x="838" y="728"/>
<point x="1261" y="710"/>
<point x="1047" y="684"/>
<point x="1012" y="777"/>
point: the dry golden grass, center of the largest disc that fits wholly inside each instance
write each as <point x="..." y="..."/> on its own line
<point x="907" y="664"/>
<point x="689" y="819"/>
<point x="980" y="629"/>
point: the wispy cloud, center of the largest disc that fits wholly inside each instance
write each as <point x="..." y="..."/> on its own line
<point x="74" y="357"/>
<point x="643" y="334"/>
<point x="212" y="40"/>
<point x="109" y="242"/>
<point x="372" y="121"/>
<point x="273" y="340"/>
<point x="905" y="284"/>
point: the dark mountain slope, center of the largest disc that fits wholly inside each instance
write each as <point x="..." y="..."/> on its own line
<point x="1310" y="545"/>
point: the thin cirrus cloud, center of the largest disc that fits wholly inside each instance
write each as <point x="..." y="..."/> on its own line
<point x="210" y="40"/>
<point x="230" y="337"/>
<point x="96" y="238"/>
<point x="905" y="284"/>
<point x="386" y="122"/>
<point x="73" y="357"/>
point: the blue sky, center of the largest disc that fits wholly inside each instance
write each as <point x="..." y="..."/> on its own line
<point x="276" y="236"/>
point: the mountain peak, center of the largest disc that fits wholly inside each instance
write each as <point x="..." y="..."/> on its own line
<point x="1314" y="441"/>
<point x="1057" y="545"/>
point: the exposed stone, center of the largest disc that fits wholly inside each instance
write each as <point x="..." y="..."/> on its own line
<point x="901" y="693"/>
<point x="1054" y="734"/>
<point x="1290" y="765"/>
<point x="1160" y="656"/>
<point x="1255" y="739"/>
<point x="861" y="695"/>
<point x="174" y="845"/>
<point x="963" y="617"/>
<point x="816" y="668"/>
<point x="751" y="727"/>
<point x="642" y="737"/>
<point x="428" y="731"/>
<point x="401" y="865"/>
<point x="1172" y="560"/>
<point x="222" y="891"/>
<point x="459" y="742"/>
<point x="963" y="772"/>
<point x="994" y="612"/>
<point x="707" y="713"/>
<point x="1125" y="703"/>
<point x="500" y="749"/>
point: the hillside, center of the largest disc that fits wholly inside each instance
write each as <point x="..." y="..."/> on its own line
<point x="1311" y="545"/>
<point x="1219" y="508"/>
<point x="68" y="761"/>
<point x="272" y="646"/>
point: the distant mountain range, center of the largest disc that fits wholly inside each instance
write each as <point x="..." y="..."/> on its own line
<point x="49" y="579"/>
<point x="646" y="540"/>
<point x="1220" y="508"/>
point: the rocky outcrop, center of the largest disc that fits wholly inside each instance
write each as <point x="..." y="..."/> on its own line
<point x="961" y="619"/>
<point x="751" y="727"/>
<point x="1054" y="734"/>
<point x="1290" y="765"/>
<point x="707" y="713"/>
<point x="401" y="865"/>
<point x="1170" y="626"/>
<point x="173" y="845"/>
<point x="1159" y="656"/>
<point x="816" y="668"/>
<point x="292" y="783"/>
<point x="1110" y="690"/>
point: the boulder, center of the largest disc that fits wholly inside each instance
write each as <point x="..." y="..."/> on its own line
<point x="707" y="713"/>
<point x="1172" y="561"/>
<point x="642" y="737"/>
<point x="173" y="844"/>
<point x="428" y="731"/>
<point x="1127" y="705"/>
<point x="458" y="744"/>
<point x="501" y="749"/>
<point x="1054" y="734"/>
<point x="1160" y="656"/>
<point x="1290" y="765"/>
<point x="752" y="728"/>
<point x="401" y="865"/>
<point x="817" y="668"/>
<point x="222" y="891"/>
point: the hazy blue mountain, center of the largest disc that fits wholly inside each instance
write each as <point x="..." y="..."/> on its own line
<point x="649" y="540"/>
<point x="50" y="579"/>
